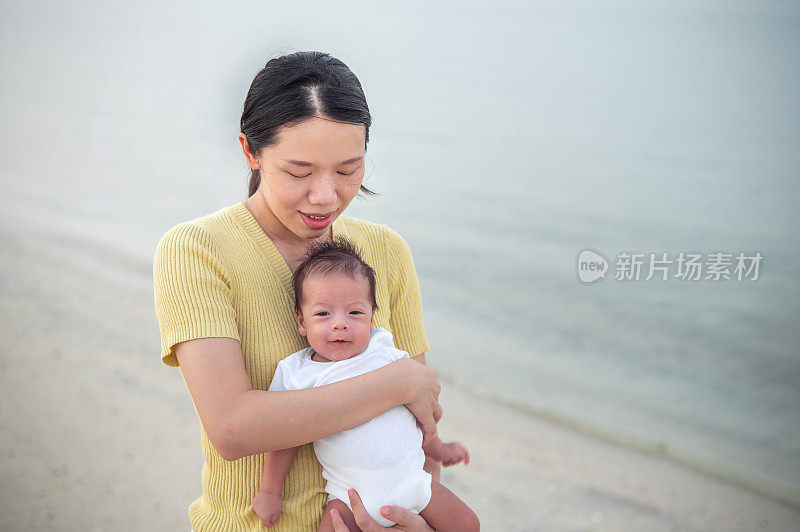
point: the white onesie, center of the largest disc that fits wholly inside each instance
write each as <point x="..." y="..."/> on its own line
<point x="382" y="458"/>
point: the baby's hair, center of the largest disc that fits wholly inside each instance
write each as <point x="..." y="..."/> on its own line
<point x="332" y="256"/>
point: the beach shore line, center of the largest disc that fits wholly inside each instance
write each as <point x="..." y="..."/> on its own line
<point x="97" y="434"/>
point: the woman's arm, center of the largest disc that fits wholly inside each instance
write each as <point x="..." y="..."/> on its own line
<point x="241" y="421"/>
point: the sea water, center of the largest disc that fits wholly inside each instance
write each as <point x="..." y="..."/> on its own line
<point x="506" y="140"/>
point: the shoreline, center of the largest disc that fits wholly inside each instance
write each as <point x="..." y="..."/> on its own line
<point x="88" y="408"/>
<point x="759" y="486"/>
<point x="125" y="268"/>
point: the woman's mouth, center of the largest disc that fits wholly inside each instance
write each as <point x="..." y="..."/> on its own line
<point x="317" y="220"/>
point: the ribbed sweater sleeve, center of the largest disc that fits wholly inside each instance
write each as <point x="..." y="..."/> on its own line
<point x="192" y="290"/>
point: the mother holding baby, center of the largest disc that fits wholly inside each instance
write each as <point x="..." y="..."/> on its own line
<point x="224" y="300"/>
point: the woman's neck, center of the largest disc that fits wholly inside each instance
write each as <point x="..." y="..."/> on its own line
<point x="291" y="247"/>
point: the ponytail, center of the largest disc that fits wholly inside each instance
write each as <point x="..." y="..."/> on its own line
<point x="255" y="180"/>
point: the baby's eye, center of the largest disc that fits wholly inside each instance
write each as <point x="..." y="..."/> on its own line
<point x="356" y="312"/>
<point x="321" y="313"/>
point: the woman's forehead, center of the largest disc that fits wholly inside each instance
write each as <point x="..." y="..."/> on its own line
<point x="320" y="141"/>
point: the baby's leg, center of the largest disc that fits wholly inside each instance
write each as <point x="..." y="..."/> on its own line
<point x="326" y="525"/>
<point x="446" y="512"/>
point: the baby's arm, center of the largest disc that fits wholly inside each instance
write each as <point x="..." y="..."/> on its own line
<point x="267" y="502"/>
<point x="450" y="453"/>
<point x="447" y="454"/>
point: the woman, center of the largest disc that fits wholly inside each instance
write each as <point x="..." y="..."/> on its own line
<point x="224" y="299"/>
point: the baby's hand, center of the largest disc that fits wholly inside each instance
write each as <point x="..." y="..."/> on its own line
<point x="453" y="453"/>
<point x="267" y="507"/>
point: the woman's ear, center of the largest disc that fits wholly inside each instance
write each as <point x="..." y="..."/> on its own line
<point x="301" y="328"/>
<point x="252" y="160"/>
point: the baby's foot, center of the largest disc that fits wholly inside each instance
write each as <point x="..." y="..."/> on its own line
<point x="454" y="453"/>
<point x="267" y="507"/>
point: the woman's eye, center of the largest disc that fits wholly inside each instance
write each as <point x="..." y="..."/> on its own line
<point x="299" y="176"/>
<point x="348" y="173"/>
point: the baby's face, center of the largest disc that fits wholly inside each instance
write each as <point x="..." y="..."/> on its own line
<point x="336" y="315"/>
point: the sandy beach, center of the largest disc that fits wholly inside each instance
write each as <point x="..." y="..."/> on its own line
<point x="507" y="138"/>
<point x="97" y="434"/>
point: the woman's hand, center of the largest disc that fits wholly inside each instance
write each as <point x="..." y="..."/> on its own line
<point x="422" y="391"/>
<point x="405" y="520"/>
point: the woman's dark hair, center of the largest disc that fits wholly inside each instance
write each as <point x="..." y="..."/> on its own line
<point x="295" y="87"/>
<point x="332" y="256"/>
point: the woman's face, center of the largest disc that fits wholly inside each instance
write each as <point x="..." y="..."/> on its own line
<point x="310" y="177"/>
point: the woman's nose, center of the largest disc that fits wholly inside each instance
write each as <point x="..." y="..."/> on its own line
<point x="323" y="192"/>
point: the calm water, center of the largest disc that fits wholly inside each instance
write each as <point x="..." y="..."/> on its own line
<point x="506" y="139"/>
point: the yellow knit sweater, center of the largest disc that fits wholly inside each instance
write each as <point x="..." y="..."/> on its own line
<point x="221" y="276"/>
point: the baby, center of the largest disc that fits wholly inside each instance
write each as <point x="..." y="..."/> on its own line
<point x="382" y="459"/>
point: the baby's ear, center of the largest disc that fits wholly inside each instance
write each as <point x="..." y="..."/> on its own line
<point x="372" y="319"/>
<point x="301" y="328"/>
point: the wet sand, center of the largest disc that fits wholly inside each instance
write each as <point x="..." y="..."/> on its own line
<point x="97" y="434"/>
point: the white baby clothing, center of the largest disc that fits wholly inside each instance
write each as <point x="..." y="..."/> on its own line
<point x="381" y="459"/>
